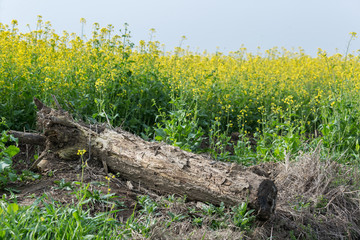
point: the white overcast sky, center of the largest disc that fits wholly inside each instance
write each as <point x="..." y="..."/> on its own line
<point x="207" y="24"/>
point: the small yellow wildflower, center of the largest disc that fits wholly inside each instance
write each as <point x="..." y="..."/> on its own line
<point x="353" y="34"/>
<point x="81" y="152"/>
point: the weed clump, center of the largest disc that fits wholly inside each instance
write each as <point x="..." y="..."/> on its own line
<point x="317" y="199"/>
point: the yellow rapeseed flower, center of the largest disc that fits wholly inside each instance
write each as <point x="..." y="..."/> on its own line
<point x="81" y="152"/>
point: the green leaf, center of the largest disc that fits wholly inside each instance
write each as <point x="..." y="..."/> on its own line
<point x="12" y="208"/>
<point x="12" y="150"/>
<point x="89" y="237"/>
<point x="2" y="233"/>
<point x="4" y="137"/>
<point x="158" y="138"/>
<point x="13" y="139"/>
<point x="76" y="215"/>
<point x="3" y="165"/>
<point x="12" y="176"/>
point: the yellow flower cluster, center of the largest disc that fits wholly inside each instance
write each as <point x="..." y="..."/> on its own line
<point x="238" y="87"/>
<point x="81" y="152"/>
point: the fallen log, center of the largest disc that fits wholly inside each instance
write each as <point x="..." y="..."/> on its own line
<point x="29" y="138"/>
<point x="158" y="166"/>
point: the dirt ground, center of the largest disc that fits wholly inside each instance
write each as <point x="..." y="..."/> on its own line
<point x="69" y="171"/>
<point x="312" y="201"/>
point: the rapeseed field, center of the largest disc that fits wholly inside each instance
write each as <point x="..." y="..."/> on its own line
<point x="275" y="103"/>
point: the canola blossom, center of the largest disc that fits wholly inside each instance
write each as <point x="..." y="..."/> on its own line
<point x="108" y="77"/>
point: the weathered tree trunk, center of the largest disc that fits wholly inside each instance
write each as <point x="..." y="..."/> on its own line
<point x="157" y="166"/>
<point x="29" y="138"/>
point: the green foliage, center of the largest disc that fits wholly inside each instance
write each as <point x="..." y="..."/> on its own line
<point x="281" y="99"/>
<point x="180" y="127"/>
<point x="27" y="175"/>
<point x="243" y="152"/>
<point x="145" y="220"/>
<point x="6" y="153"/>
<point x="97" y="196"/>
<point x="51" y="220"/>
<point x="283" y="103"/>
<point x="219" y="141"/>
<point x="220" y="218"/>
<point x="340" y="127"/>
<point x="175" y="218"/>
<point x="301" y="204"/>
<point x="211" y="210"/>
<point x="242" y="217"/>
<point x="61" y="184"/>
<point x="147" y="204"/>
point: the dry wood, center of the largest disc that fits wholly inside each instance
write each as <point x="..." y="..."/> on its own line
<point x="157" y="166"/>
<point x="29" y="138"/>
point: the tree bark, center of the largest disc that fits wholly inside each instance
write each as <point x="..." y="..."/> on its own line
<point x="29" y="138"/>
<point x="158" y="166"/>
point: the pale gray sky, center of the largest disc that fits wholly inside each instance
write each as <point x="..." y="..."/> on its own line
<point x="207" y="24"/>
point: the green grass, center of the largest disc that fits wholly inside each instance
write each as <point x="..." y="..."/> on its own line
<point x="49" y="219"/>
